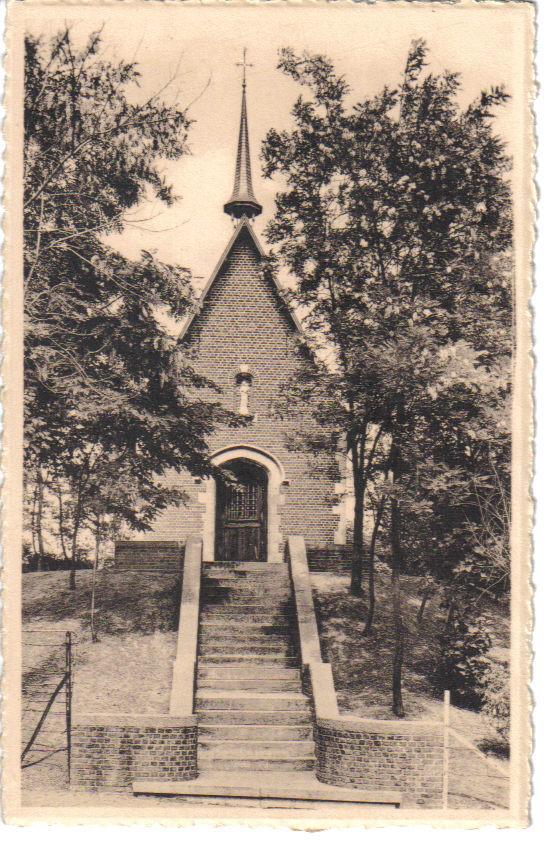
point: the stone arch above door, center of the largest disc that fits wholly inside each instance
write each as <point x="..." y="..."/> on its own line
<point x="276" y="477"/>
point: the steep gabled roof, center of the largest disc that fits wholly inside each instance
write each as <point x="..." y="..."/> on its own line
<point x="243" y="225"/>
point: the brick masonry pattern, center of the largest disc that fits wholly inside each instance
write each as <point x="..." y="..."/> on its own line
<point x="149" y="555"/>
<point x="405" y="756"/>
<point x="244" y="322"/>
<point x="336" y="557"/>
<point x="168" y="556"/>
<point x="114" y="754"/>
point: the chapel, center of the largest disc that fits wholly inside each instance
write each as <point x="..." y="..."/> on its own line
<point x="252" y="706"/>
<point x="248" y="341"/>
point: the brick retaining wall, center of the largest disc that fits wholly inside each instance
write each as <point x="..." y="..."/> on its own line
<point x="382" y="755"/>
<point x="113" y="750"/>
<point x="334" y="557"/>
<point x="169" y="555"/>
<point x="148" y="555"/>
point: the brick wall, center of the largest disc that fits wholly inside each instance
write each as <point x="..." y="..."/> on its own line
<point x="382" y="755"/>
<point x="148" y="555"/>
<point x="243" y="321"/>
<point x="113" y="750"/>
<point x="336" y="557"/>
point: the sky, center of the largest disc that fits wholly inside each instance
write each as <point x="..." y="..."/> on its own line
<point x="368" y="44"/>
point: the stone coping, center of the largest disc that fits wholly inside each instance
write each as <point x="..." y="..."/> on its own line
<point x="134" y="720"/>
<point x="380" y="726"/>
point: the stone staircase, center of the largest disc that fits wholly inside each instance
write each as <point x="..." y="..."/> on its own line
<point x="251" y="710"/>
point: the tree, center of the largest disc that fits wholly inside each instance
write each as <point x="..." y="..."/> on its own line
<point x="326" y="406"/>
<point x="395" y="223"/>
<point x="106" y="386"/>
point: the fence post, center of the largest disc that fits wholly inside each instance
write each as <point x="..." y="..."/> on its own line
<point x="68" y="697"/>
<point x="446" y="746"/>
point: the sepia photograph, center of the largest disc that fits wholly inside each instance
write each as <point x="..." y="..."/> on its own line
<point x="268" y="413"/>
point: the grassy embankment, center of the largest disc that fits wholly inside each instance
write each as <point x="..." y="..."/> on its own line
<point x="129" y="669"/>
<point x="362" y="674"/>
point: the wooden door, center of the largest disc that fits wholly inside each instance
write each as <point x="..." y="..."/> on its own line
<point x="241" y="522"/>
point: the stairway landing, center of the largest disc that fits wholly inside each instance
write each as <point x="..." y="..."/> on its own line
<point x="268" y="786"/>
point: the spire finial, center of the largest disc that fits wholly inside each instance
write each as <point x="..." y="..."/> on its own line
<point x="243" y="201"/>
<point x="244" y="65"/>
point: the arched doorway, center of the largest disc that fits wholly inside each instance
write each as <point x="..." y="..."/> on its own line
<point x="241" y="528"/>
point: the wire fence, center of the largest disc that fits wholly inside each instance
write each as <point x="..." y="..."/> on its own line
<point x="46" y="697"/>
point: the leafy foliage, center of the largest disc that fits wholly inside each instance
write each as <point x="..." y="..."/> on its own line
<point x="396" y="226"/>
<point x="496" y="704"/>
<point x="463" y="661"/>
<point x="111" y="399"/>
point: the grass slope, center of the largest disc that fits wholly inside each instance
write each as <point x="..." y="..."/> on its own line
<point x="362" y="674"/>
<point x="128" y="670"/>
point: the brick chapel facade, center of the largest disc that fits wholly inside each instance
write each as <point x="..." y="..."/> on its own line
<point x="246" y="339"/>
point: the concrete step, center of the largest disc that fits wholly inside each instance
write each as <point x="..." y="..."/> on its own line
<point x="255" y="629"/>
<point x="264" y="579"/>
<point x="259" y="672"/>
<point x="247" y="566"/>
<point x="252" y="717"/>
<point x="255" y="733"/>
<point x="216" y="699"/>
<point x="238" y="658"/>
<point x="276" y="786"/>
<point x="252" y="668"/>
<point x="273" y="594"/>
<point x="250" y="684"/>
<point x="258" y="764"/>
<point x="245" y="595"/>
<point x="242" y="644"/>
<point x="276" y="749"/>
<point x="272" y="583"/>
<point x="245" y="614"/>
<point x="258" y="569"/>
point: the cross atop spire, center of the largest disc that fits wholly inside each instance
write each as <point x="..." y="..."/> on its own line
<point x="244" y="64"/>
<point x="243" y="201"/>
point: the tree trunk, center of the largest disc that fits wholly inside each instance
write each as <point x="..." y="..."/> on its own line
<point x="450" y="615"/>
<point x="33" y="521"/>
<point x="74" y="547"/>
<point x="94" y="636"/>
<point x="39" y="513"/>
<point x="371" y="574"/>
<point x="61" y="523"/>
<point x="425" y="597"/>
<point x="398" y="623"/>
<point x="358" y="541"/>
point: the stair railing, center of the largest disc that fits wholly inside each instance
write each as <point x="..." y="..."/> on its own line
<point x="185" y="665"/>
<point x="319" y="673"/>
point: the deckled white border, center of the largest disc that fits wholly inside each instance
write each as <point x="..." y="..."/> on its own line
<point x="540" y="328"/>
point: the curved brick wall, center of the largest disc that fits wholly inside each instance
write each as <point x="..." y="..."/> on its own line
<point x="382" y="755"/>
<point x="113" y="750"/>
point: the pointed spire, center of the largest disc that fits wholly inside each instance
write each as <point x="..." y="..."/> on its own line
<point x="243" y="201"/>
